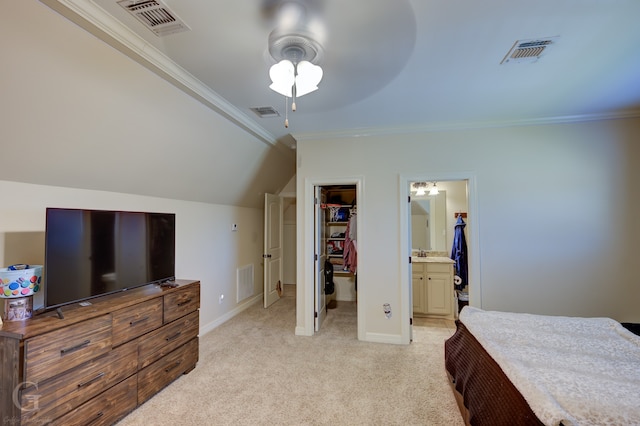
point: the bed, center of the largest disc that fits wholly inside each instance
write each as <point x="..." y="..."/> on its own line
<point x="524" y="369"/>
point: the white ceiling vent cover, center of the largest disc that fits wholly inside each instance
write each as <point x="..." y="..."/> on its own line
<point x="155" y="15"/>
<point x="528" y="50"/>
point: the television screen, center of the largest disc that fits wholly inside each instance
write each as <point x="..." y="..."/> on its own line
<point x="90" y="253"/>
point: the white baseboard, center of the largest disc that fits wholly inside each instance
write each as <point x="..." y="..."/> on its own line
<point x="302" y="331"/>
<point x="226" y="317"/>
<point x="395" y="339"/>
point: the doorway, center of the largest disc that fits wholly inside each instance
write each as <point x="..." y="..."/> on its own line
<point x="437" y="234"/>
<point x="335" y="224"/>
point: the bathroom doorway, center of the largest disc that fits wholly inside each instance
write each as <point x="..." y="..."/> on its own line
<point x="436" y="235"/>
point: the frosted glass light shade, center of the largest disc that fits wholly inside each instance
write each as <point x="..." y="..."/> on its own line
<point x="308" y="77"/>
<point x="305" y="76"/>
<point x="282" y="77"/>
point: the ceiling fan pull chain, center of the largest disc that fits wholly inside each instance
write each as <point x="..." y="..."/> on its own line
<point x="293" y="98"/>
<point x="286" y="112"/>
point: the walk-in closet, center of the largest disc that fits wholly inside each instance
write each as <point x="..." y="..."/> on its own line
<point x="337" y="250"/>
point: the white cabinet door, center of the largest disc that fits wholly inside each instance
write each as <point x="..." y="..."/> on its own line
<point x="439" y="293"/>
<point x="419" y="290"/>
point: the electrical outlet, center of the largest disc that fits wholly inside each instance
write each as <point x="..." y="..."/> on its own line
<point x="221" y="299"/>
<point x="234" y="227"/>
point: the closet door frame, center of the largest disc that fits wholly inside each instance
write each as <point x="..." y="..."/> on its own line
<point x="305" y="297"/>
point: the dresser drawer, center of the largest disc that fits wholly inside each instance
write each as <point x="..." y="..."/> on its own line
<point x="160" y="342"/>
<point x="52" y="398"/>
<point x="181" y="302"/>
<point x="58" y="351"/>
<point x="106" y="408"/>
<point x="136" y="320"/>
<point x="162" y="372"/>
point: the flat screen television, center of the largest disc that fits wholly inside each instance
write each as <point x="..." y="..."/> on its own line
<point x="91" y="253"/>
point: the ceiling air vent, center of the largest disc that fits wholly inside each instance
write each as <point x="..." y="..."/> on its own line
<point x="155" y="15"/>
<point x="528" y="50"/>
<point x="265" y="111"/>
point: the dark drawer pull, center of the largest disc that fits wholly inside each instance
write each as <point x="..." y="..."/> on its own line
<point x="166" y="370"/>
<point x="175" y="336"/>
<point x="75" y="348"/>
<point x="136" y="322"/>
<point x="100" y="414"/>
<point x="184" y="303"/>
<point x="88" y="382"/>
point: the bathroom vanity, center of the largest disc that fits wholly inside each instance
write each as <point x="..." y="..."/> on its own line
<point x="433" y="291"/>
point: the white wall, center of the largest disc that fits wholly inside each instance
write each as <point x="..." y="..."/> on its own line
<point x="206" y="249"/>
<point x="556" y="216"/>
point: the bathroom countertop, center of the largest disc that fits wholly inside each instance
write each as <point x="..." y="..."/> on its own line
<point x="431" y="259"/>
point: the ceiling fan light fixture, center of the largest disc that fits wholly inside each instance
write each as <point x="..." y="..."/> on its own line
<point x="294" y="45"/>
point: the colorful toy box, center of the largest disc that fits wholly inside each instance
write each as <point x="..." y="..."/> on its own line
<point x="18" y="283"/>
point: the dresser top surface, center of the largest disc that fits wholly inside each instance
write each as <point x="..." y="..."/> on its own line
<point x="73" y="313"/>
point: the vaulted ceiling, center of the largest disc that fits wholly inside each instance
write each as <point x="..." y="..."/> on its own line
<point x="393" y="65"/>
<point x="97" y="121"/>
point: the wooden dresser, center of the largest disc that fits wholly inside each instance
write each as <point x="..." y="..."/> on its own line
<point x="100" y="361"/>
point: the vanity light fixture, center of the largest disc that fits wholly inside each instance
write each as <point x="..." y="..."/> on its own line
<point x="420" y="188"/>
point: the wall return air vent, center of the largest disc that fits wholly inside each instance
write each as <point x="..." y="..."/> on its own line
<point x="528" y="50"/>
<point x="155" y="15"/>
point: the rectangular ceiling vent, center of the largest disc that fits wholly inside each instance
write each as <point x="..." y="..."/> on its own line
<point x="528" y="50"/>
<point x="155" y="15"/>
<point x="265" y="111"/>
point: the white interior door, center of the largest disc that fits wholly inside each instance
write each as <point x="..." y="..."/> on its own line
<point x="320" y="257"/>
<point x="273" y="242"/>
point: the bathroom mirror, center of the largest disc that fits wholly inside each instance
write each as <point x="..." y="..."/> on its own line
<point x="428" y="222"/>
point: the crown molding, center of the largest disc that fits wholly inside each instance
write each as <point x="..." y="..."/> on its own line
<point x="443" y="127"/>
<point x="98" y="22"/>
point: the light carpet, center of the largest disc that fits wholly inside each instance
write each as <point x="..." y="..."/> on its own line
<point x="253" y="370"/>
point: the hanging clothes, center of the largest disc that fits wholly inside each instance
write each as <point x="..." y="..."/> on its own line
<point x="350" y="253"/>
<point x="459" y="254"/>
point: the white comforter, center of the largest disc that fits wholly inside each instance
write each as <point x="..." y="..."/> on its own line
<point x="578" y="371"/>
